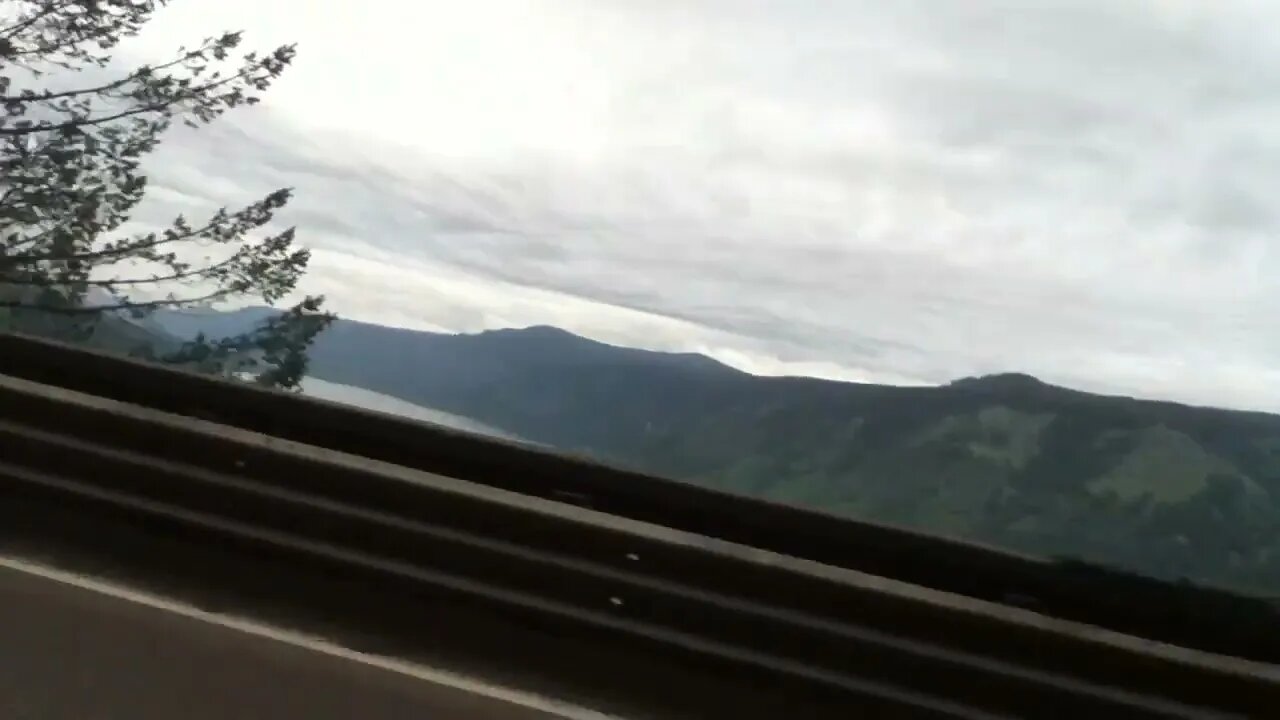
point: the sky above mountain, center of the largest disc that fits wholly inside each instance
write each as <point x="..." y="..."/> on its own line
<point x="907" y="191"/>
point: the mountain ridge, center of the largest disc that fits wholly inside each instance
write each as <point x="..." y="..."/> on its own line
<point x="184" y="323"/>
<point x="1163" y="488"/>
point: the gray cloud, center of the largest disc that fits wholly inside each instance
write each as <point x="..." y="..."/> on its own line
<point x="908" y="191"/>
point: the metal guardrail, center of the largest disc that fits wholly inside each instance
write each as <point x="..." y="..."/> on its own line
<point x="1192" y="617"/>
<point x="828" y="640"/>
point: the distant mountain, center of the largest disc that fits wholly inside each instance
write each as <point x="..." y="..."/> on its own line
<point x="114" y="332"/>
<point x="498" y="375"/>
<point x="121" y="334"/>
<point x="188" y="323"/>
<point x="1166" y="489"/>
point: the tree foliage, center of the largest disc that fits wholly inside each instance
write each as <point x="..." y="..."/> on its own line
<point x="75" y="125"/>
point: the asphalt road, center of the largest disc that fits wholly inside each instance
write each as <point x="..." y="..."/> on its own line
<point x="68" y="652"/>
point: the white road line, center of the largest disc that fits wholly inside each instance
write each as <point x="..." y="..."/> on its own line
<point x="249" y="627"/>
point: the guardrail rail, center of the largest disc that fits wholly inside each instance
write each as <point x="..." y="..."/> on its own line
<point x="243" y="493"/>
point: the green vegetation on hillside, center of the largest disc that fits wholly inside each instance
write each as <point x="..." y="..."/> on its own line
<point x="1163" y="489"/>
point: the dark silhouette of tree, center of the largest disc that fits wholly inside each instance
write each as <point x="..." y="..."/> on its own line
<point x="70" y="156"/>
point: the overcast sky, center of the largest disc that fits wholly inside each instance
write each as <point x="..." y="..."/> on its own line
<point x="895" y="191"/>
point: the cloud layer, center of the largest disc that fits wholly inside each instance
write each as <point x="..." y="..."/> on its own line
<point x="901" y="192"/>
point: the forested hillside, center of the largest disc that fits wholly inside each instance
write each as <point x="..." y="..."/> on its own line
<point x="1165" y="489"/>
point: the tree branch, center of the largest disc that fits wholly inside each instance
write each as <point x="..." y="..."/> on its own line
<point x="108" y="87"/>
<point x="86" y="122"/>
<point x="184" y="275"/>
<point x="6" y="33"/>
<point x="95" y="309"/>
<point x="100" y="254"/>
